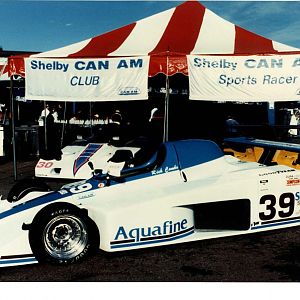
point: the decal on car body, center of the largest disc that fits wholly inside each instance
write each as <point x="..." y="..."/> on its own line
<point x="168" y="231"/>
<point x="84" y="157"/>
<point x="279" y="210"/>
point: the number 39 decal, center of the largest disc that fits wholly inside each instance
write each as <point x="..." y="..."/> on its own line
<point x="286" y="203"/>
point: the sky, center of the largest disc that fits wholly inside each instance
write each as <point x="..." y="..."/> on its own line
<point x="45" y="25"/>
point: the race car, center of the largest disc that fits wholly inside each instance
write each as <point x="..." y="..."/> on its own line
<point x="74" y="160"/>
<point x="182" y="191"/>
<point x="263" y="151"/>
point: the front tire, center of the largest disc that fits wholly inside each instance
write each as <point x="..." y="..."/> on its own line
<point x="62" y="234"/>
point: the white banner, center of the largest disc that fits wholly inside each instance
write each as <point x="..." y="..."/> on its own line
<point x="244" y="78"/>
<point x="107" y="79"/>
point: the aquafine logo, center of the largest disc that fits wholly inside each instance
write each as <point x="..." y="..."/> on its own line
<point x="138" y="233"/>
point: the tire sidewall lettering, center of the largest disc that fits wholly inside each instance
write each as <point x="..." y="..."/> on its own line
<point x="60" y="212"/>
<point x="39" y="224"/>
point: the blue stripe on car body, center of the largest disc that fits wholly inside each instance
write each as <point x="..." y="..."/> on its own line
<point x="279" y="223"/>
<point x="85" y="155"/>
<point x="17" y="261"/>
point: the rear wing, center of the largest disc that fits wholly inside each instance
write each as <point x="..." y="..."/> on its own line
<point x="263" y="144"/>
<point x="270" y="148"/>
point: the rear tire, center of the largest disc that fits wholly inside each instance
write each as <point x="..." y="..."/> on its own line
<point x="62" y="234"/>
<point x="24" y="187"/>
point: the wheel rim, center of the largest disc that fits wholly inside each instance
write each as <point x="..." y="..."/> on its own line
<point x="65" y="237"/>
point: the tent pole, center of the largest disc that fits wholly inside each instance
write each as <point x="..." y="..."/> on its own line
<point x="45" y="127"/>
<point x="271" y="113"/>
<point x="91" y="126"/>
<point x="13" y="128"/>
<point x="63" y="127"/>
<point x="167" y="98"/>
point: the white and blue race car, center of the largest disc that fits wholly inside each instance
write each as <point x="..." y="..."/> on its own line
<point x="73" y="163"/>
<point x="182" y="191"/>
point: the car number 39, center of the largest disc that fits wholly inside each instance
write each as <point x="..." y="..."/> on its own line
<point x="286" y="202"/>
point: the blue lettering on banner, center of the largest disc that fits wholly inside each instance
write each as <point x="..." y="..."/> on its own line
<point x="133" y="63"/>
<point x="228" y="66"/>
<point x="249" y="80"/>
<point x="268" y="79"/>
<point x="215" y="64"/>
<point x="82" y="65"/>
<point x="264" y="63"/>
<point x="92" y="65"/>
<point x="136" y="63"/>
<point x="85" y="80"/>
<point x="55" y="66"/>
<point x="228" y="81"/>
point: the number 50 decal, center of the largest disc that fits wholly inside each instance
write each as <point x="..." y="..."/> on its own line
<point x="286" y="202"/>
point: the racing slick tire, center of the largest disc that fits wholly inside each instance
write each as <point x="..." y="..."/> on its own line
<point x="24" y="187"/>
<point x="63" y="234"/>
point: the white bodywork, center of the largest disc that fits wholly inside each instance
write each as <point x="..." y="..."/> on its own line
<point x="74" y="161"/>
<point x="164" y="205"/>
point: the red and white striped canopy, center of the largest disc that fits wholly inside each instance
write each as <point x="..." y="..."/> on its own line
<point x="168" y="37"/>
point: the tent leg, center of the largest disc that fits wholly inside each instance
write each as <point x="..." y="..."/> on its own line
<point x="63" y="127"/>
<point x="13" y="129"/>
<point x="271" y="113"/>
<point x="166" y="115"/>
<point x="91" y="119"/>
<point x="45" y="127"/>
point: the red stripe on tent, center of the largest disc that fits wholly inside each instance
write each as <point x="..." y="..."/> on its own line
<point x="183" y="29"/>
<point x="249" y="42"/>
<point x="106" y="43"/>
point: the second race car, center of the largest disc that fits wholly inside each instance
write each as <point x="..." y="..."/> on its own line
<point x="263" y="151"/>
<point x="73" y="163"/>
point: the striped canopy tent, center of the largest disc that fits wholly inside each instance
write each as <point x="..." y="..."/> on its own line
<point x="167" y="37"/>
